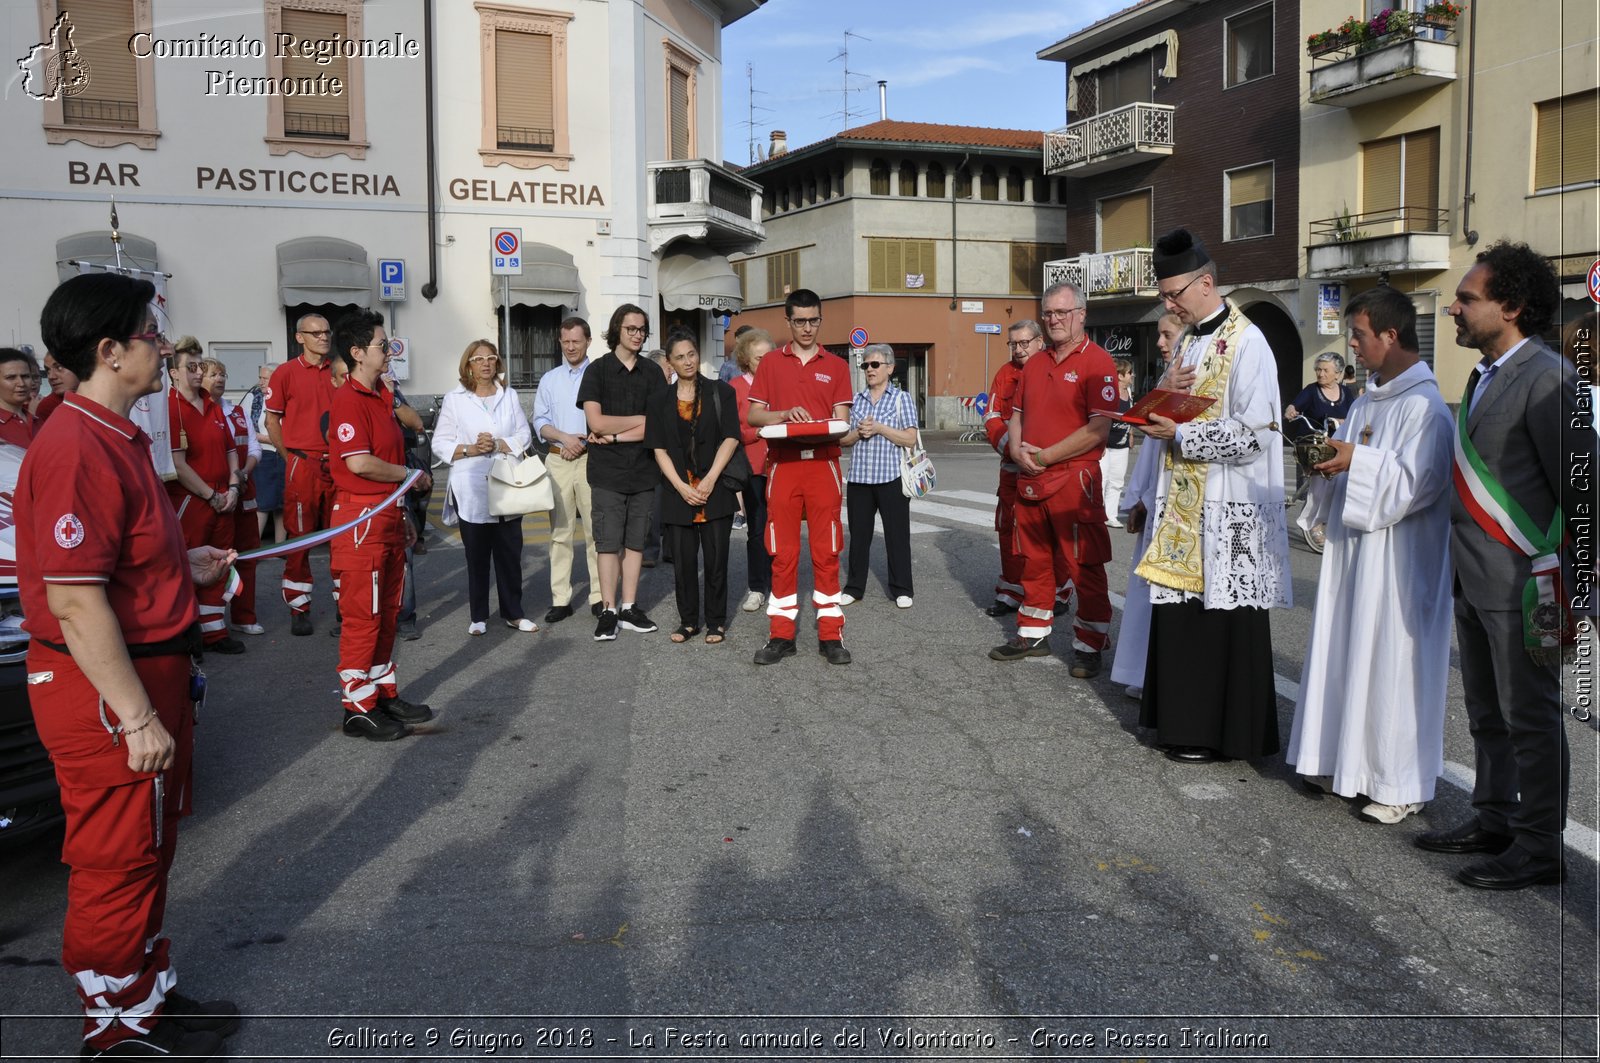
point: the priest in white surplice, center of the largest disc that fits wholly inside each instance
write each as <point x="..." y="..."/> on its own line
<point x="1219" y="546"/>
<point x="1370" y="720"/>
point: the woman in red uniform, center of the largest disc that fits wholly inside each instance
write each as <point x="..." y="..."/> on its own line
<point x="110" y="604"/>
<point x="367" y="456"/>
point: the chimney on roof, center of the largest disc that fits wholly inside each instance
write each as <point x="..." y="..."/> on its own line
<point x="780" y="144"/>
<point x="883" y="101"/>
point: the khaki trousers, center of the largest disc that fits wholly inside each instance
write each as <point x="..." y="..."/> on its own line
<point x="571" y="481"/>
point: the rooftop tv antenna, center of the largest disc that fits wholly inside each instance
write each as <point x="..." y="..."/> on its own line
<point x="750" y="122"/>
<point x="845" y="114"/>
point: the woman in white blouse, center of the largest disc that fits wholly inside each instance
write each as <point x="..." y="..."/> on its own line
<point x="477" y="420"/>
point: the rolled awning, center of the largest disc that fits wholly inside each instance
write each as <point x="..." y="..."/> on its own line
<point x="97" y="248"/>
<point x="549" y="277"/>
<point x="322" y="269"/>
<point x="697" y="278"/>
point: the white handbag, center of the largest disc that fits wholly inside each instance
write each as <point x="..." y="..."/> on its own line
<point x="519" y="487"/>
<point x="917" y="476"/>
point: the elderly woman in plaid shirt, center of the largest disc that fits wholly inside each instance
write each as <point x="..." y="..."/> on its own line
<point x="882" y="420"/>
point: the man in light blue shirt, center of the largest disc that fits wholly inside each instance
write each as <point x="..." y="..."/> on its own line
<point x="560" y="423"/>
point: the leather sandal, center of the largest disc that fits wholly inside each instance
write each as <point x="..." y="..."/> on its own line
<point x="715" y="634"/>
<point x="684" y="633"/>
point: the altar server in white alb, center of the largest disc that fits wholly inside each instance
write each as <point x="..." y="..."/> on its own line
<point x="1372" y="693"/>
<point x="1219" y="550"/>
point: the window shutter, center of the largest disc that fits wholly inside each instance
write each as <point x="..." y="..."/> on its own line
<point x="318" y="115"/>
<point x="101" y="29"/>
<point x="1567" y="147"/>
<point x="1250" y="186"/>
<point x="524" y="91"/>
<point x="1380" y="175"/>
<point x="877" y="265"/>
<point x="680" y="113"/>
<point x="1125" y="222"/>
<point x="1422" y="172"/>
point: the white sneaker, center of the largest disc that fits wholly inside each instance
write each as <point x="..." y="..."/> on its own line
<point x="521" y="625"/>
<point x="753" y="601"/>
<point x="904" y="601"/>
<point x="477" y="627"/>
<point x="250" y="629"/>
<point x="848" y="599"/>
<point x="1376" y="813"/>
<point x="1136" y="693"/>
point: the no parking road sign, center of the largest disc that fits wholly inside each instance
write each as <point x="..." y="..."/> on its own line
<point x="858" y="337"/>
<point x="505" y="252"/>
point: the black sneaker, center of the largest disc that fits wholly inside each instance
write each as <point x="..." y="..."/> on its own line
<point x="407" y="630"/>
<point x="227" y="644"/>
<point x="166" y="1040"/>
<point x="597" y="608"/>
<point x="300" y="624"/>
<point x="557" y="614"/>
<point x="220" y="1017"/>
<point x="633" y="619"/>
<point x="834" y="651"/>
<point x="1000" y="609"/>
<point x="774" y="651"/>
<point x="606" y="630"/>
<point x="1085" y="665"/>
<point x="403" y="711"/>
<point x="374" y="726"/>
<point x="1019" y="647"/>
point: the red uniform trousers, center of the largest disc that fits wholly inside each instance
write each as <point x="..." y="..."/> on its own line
<point x="369" y="568"/>
<point x="810" y="490"/>
<point x="204" y="526"/>
<point x="246" y="536"/>
<point x="121" y="835"/>
<point x="307" y="502"/>
<point x="1009" y="589"/>
<point x="1066" y="532"/>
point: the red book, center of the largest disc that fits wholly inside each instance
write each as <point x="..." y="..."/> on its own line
<point x="815" y="431"/>
<point x="1178" y="406"/>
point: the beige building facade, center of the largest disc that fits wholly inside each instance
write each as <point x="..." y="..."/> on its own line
<point x="264" y="157"/>
<point x="1424" y="145"/>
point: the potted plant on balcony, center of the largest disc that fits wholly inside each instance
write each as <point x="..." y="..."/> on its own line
<point x="1319" y="44"/>
<point x="1441" y="14"/>
<point x="1386" y="27"/>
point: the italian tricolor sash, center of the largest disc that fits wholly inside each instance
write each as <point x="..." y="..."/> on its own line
<point x="1546" y="620"/>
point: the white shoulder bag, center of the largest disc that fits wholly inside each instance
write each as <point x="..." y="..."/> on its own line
<point x="519" y="487"/>
<point x="917" y="477"/>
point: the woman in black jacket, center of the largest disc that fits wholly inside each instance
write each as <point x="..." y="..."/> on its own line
<point x="694" y="429"/>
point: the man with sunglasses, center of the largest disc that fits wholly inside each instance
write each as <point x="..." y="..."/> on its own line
<point x="297" y="401"/>
<point x="1056" y="439"/>
<point x="800" y="382"/>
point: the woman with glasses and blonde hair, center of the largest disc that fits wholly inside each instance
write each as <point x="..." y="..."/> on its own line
<point x="479" y="418"/>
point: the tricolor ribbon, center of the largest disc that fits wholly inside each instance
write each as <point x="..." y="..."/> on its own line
<point x="1546" y="620"/>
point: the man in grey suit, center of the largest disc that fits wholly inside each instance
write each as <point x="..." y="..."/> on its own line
<point x="1515" y="469"/>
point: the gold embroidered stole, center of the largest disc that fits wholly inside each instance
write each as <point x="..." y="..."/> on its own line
<point x="1174" y="558"/>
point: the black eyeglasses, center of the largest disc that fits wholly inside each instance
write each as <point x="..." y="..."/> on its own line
<point x="636" y="330"/>
<point x="806" y="322"/>
<point x="875" y="365"/>
<point x="1172" y="297"/>
<point x="1019" y="344"/>
<point x="318" y="333"/>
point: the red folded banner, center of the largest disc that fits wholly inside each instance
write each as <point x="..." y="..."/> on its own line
<point x="812" y="431"/>
<point x="1179" y="406"/>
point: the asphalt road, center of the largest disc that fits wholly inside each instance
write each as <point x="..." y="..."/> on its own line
<point x="642" y="849"/>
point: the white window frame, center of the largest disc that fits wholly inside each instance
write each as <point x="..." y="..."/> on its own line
<point x="1272" y="40"/>
<point x="1227" y="202"/>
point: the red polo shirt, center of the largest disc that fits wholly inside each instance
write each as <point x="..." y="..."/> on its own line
<point x="204" y="439"/>
<point x="16" y="428"/>
<point x="47" y="406"/>
<point x="1057" y="398"/>
<point x="782" y="382"/>
<point x="1002" y="396"/>
<point x="93" y="510"/>
<point x="362" y="422"/>
<point x="301" y="393"/>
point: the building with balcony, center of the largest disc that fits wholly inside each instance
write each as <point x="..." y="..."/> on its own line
<point x="917" y="233"/>
<point x="1427" y="136"/>
<point x="595" y="129"/>
<point x="1182" y="113"/>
